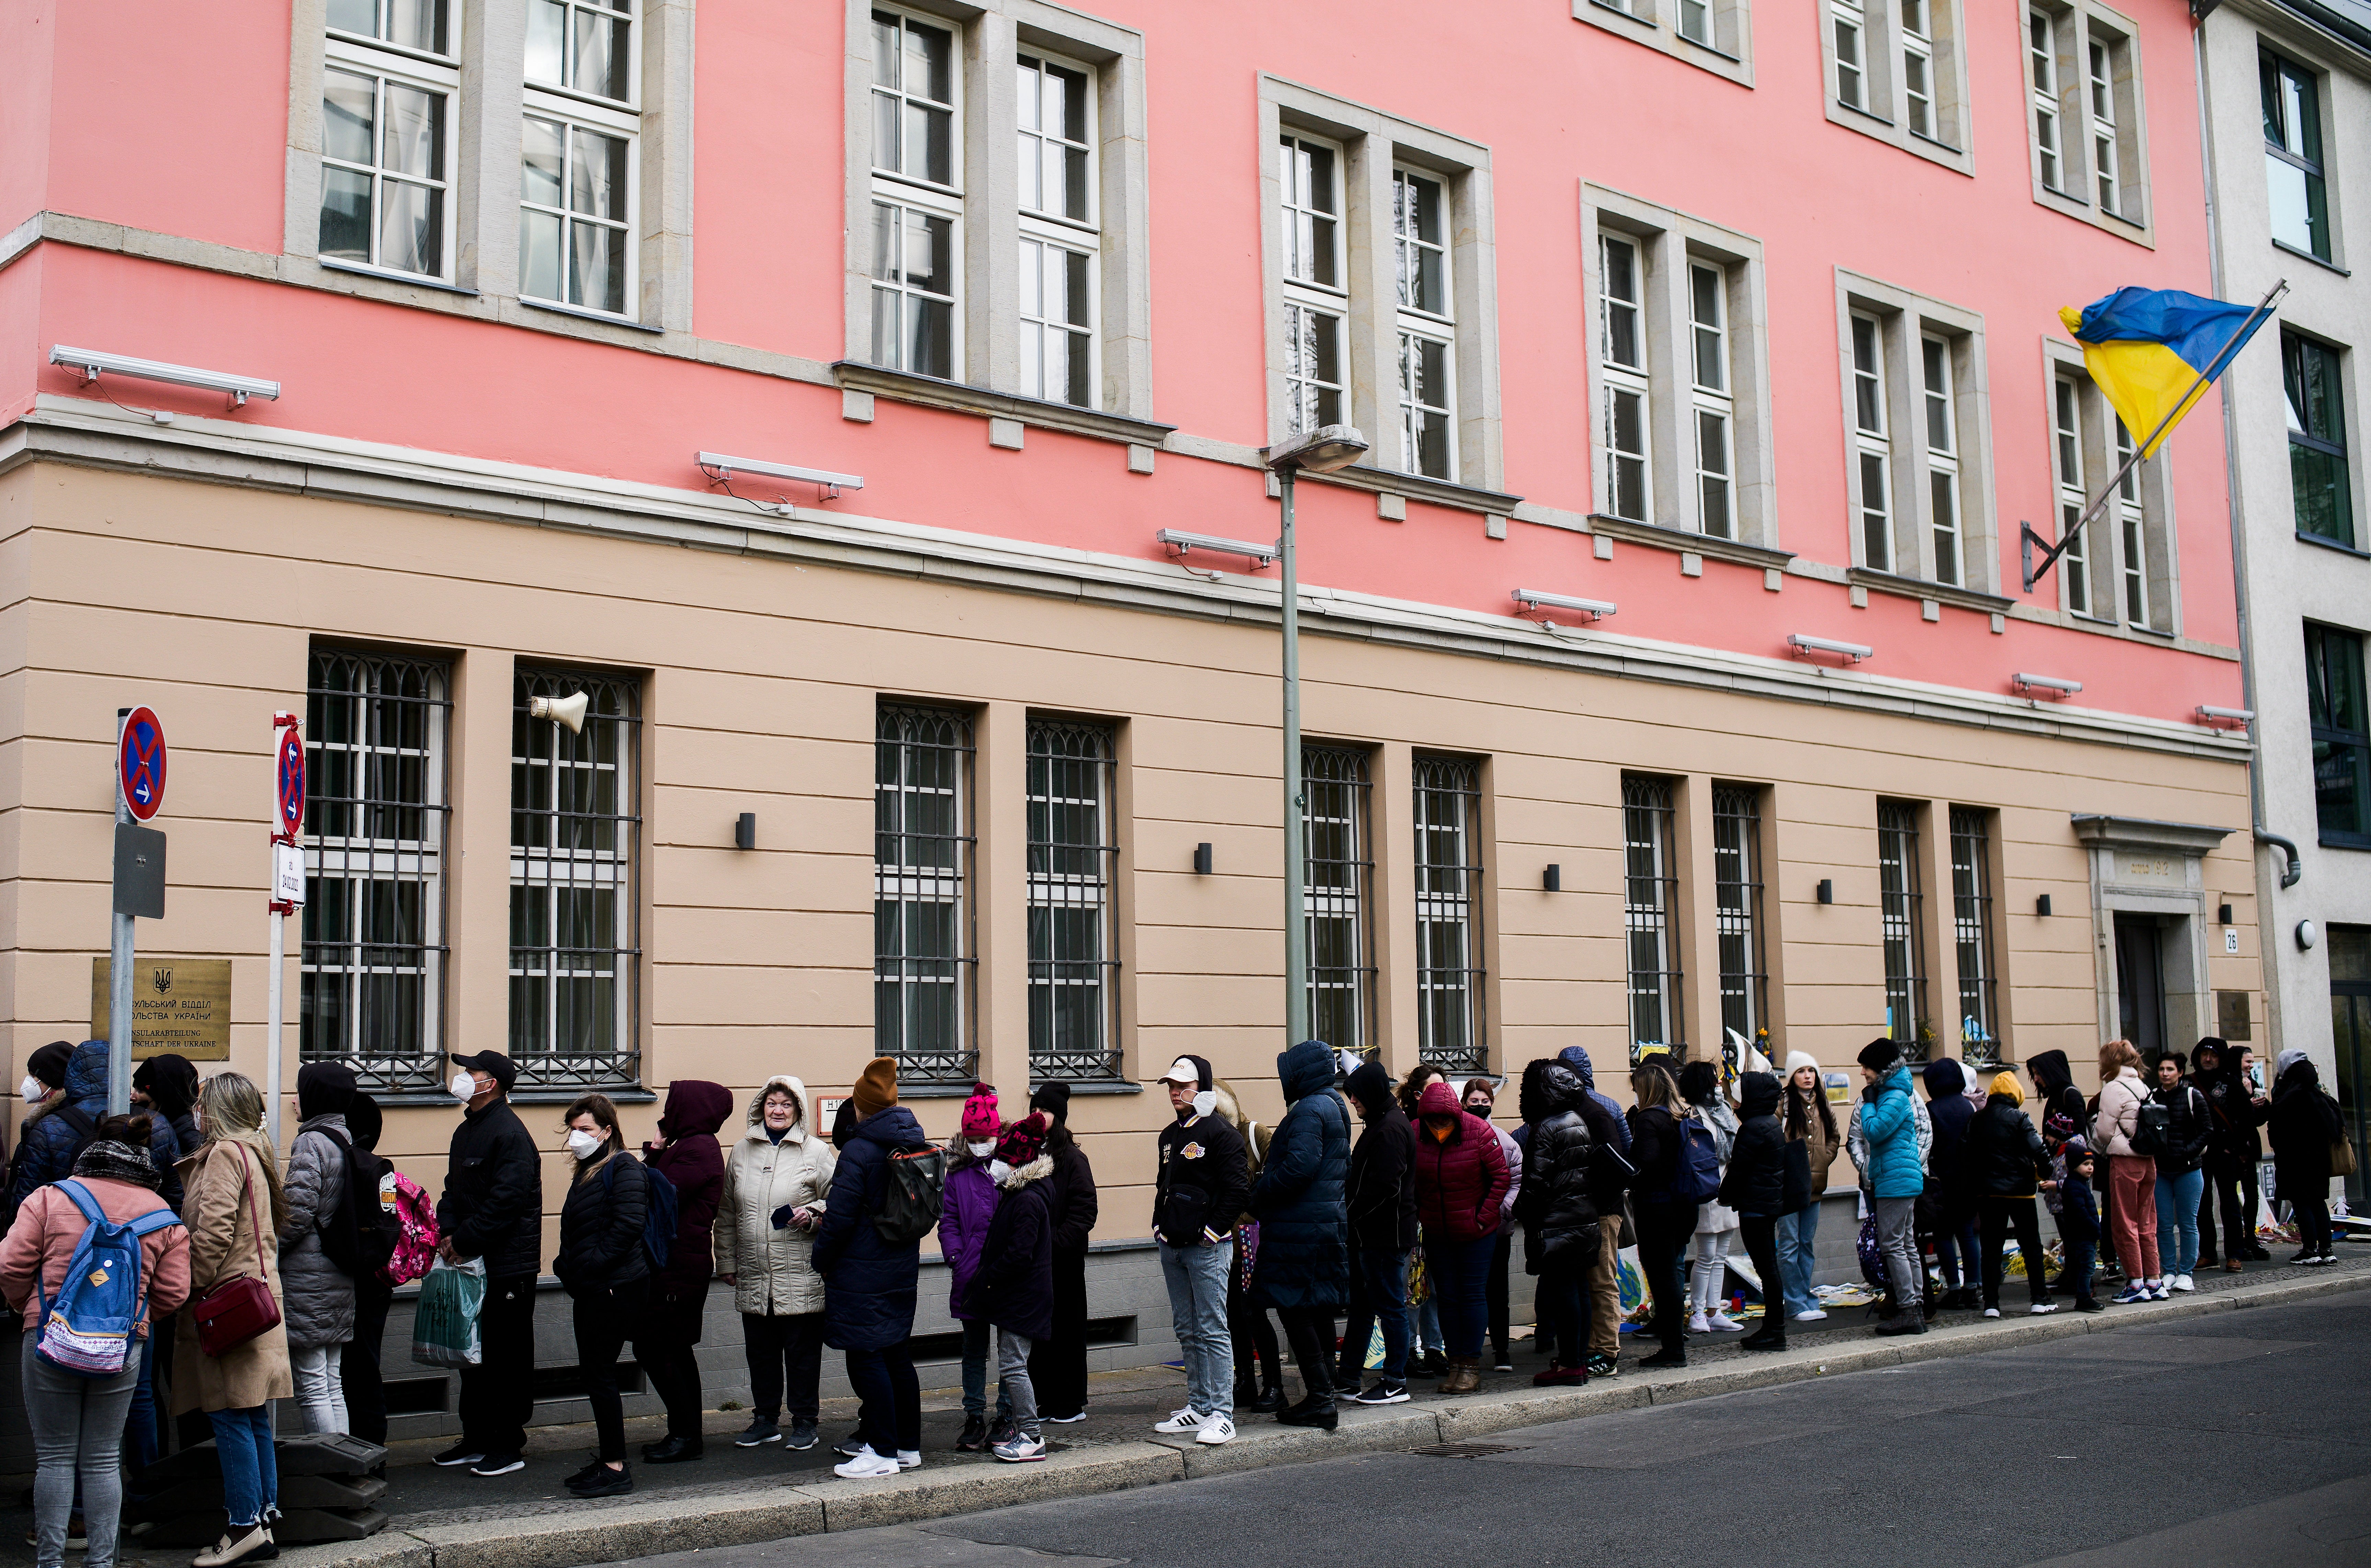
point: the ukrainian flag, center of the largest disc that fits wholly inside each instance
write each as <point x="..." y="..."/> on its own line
<point x="2154" y="352"/>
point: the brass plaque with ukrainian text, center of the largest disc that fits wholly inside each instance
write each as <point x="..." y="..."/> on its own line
<point x="181" y="1006"/>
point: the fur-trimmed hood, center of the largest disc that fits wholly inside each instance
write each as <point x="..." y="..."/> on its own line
<point x="1021" y="1176"/>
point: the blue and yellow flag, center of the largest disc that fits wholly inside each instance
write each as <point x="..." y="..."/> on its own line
<point x="2154" y="352"/>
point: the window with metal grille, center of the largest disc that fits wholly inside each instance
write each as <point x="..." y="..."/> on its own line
<point x="1737" y="911"/>
<point x="924" y="953"/>
<point x="1972" y="934"/>
<point x="1335" y="790"/>
<point x="377" y="809"/>
<point x="1448" y="914"/>
<point x="1649" y="905"/>
<point x="576" y="882"/>
<point x="1901" y="913"/>
<point x="1073" y="919"/>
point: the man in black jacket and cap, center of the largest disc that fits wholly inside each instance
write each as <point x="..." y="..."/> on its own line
<point x="493" y="1210"/>
<point x="1201" y="1182"/>
<point x="1382" y="1202"/>
<point x="1058" y="1364"/>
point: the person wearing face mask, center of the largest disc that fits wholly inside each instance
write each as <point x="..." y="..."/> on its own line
<point x="492" y="1209"/>
<point x="688" y="1155"/>
<point x="1481" y="1096"/>
<point x="606" y="1271"/>
<point x="1014" y="1286"/>
<point x="766" y="1218"/>
<point x="1427" y="1352"/>
<point x="968" y="1205"/>
<point x="1200" y="1186"/>
<point x="1460" y="1190"/>
<point x="66" y="1087"/>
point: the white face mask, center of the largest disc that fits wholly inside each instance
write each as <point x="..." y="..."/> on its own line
<point x="463" y="1086"/>
<point x="33" y="1089"/>
<point x="584" y="1144"/>
<point x="981" y="1151"/>
<point x="998" y="1170"/>
<point x="1206" y="1102"/>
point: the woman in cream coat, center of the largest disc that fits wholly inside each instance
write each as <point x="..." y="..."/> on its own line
<point x="775" y="1180"/>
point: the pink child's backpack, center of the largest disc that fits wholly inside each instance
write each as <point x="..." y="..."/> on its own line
<point x="404" y="1204"/>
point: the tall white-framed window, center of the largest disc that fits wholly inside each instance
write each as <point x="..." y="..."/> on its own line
<point x="1622" y="357"/>
<point x="578" y="174"/>
<point x="2042" y="73"/>
<point x="1939" y="400"/>
<point x="2066" y="457"/>
<point x="1316" y="296"/>
<point x="2131" y="529"/>
<point x="1850" y="25"/>
<point x="390" y="82"/>
<point x="1697" y="22"/>
<point x="1426" y="324"/>
<point x="1872" y="443"/>
<point x="1711" y="386"/>
<point x="1060" y="242"/>
<point x="2100" y="88"/>
<point x="917" y="196"/>
<point x="1918" y="68"/>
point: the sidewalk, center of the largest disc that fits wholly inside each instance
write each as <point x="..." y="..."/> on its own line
<point x="443" y="1518"/>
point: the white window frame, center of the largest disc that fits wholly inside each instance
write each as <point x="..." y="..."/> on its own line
<point x="1627" y="386"/>
<point x="1939" y="399"/>
<point x="386" y="64"/>
<point x="1723" y="44"/>
<point x="904" y="194"/>
<point x="575" y="109"/>
<point x="2131" y="529"/>
<point x="1894" y="59"/>
<point x="1044" y="232"/>
<point x="1872" y="443"/>
<point x="1712" y="401"/>
<point x="1918" y="84"/>
<point x="2077" y="593"/>
<point x="1307" y="299"/>
<point x="2082" y="80"/>
<point x="1425" y="400"/>
<point x="2133" y="543"/>
<point x="2048" y="120"/>
<point x="1849" y="73"/>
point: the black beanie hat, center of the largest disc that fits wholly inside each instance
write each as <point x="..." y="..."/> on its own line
<point x="324" y="1088"/>
<point x="363" y="1120"/>
<point x="49" y="1063"/>
<point x="1054" y="1100"/>
<point x="1880" y="1055"/>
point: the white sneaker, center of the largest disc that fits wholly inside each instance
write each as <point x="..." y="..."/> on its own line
<point x="1722" y="1323"/>
<point x="1020" y="1449"/>
<point x="1812" y="1315"/>
<point x="1215" y="1430"/>
<point x="2183" y="1281"/>
<point x="1696" y="1324"/>
<point x="2160" y="1289"/>
<point x="1187" y="1419"/>
<point x="2042" y="1308"/>
<point x="909" y="1458"/>
<point x="866" y="1466"/>
<point x="1992" y="1311"/>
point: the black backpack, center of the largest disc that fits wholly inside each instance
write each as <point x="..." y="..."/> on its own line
<point x="360" y="1235"/>
<point x="911" y="1198"/>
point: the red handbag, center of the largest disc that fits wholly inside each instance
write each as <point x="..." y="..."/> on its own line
<point x="233" y="1311"/>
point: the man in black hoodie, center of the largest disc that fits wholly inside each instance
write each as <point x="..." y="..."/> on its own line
<point x="1382" y="1202"/>
<point x="1950" y="1110"/>
<point x="2234" y="1111"/>
<point x="1201" y="1183"/>
<point x="492" y="1209"/>
<point x="1757" y="1186"/>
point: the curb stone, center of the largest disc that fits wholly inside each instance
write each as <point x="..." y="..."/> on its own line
<point x="644" y="1527"/>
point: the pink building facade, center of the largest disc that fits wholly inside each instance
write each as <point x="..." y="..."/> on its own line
<point x="1735" y="322"/>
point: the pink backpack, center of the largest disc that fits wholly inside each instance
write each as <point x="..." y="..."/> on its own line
<point x="415" y="1249"/>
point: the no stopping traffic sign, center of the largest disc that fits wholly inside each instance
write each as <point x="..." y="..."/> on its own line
<point x="140" y="762"/>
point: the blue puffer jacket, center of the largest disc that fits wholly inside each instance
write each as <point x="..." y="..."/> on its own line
<point x="46" y="1150"/>
<point x="1576" y="1058"/>
<point x="868" y="1284"/>
<point x="1890" y="1123"/>
<point x="1304" y="1247"/>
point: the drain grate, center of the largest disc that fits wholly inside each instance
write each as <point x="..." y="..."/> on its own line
<point x="1470" y="1450"/>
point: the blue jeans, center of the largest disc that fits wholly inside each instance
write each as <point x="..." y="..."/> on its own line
<point x="977" y="1337"/>
<point x="1197" y="1278"/>
<point x="2177" y="1213"/>
<point x="1377" y="1293"/>
<point x="1458" y="1271"/>
<point x="1796" y="1232"/>
<point x="250" y="1474"/>
<point x="1425" y="1329"/>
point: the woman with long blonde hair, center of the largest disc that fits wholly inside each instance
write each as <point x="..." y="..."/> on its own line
<point x="234" y="1209"/>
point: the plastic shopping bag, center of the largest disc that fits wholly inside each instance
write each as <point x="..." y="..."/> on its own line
<point x="444" y="1326"/>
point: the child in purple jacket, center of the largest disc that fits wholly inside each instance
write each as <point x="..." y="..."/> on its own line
<point x="968" y="1205"/>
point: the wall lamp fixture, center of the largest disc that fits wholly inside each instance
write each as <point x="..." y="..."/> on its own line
<point x="722" y="469"/>
<point x="1803" y="643"/>
<point x="90" y="361"/>
<point x="2237" y="717"/>
<point x="2029" y="684"/>
<point x="1536" y="600"/>
<point x="1179" y="542"/>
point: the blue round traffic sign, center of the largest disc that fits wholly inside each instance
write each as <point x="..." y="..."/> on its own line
<point x="288" y="782"/>
<point x="140" y="762"/>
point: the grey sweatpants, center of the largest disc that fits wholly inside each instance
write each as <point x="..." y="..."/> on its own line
<point x="1012" y="1365"/>
<point x="77" y="1427"/>
<point x="1897" y="1239"/>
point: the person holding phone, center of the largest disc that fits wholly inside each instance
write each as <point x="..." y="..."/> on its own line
<point x="772" y="1197"/>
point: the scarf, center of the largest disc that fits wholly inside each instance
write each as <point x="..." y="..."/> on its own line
<point x="110" y="1161"/>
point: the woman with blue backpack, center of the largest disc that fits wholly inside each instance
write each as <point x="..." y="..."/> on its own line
<point x="109" y="1230"/>
<point x="606" y="1271"/>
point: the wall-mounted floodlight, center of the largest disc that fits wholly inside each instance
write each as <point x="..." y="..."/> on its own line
<point x="2029" y="684"/>
<point x="92" y="363"/>
<point x="1536" y="600"/>
<point x="1851" y="653"/>
<point x="1321" y="450"/>
<point x="1552" y="879"/>
<point x="2242" y="717"/>
<point x="722" y="469"/>
<point x="1179" y="542"/>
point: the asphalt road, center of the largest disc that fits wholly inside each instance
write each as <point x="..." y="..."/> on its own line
<point x="2239" y="1438"/>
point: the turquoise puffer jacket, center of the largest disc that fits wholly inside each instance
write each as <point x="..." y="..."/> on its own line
<point x="1891" y="1121"/>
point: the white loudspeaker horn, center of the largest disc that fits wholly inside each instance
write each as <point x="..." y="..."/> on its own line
<point x="568" y="711"/>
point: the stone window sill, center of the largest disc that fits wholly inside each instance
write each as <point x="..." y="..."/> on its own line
<point x="1660" y="537"/>
<point x="929" y="391"/>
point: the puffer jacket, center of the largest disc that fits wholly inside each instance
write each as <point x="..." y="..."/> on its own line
<point x="2303" y="1126"/>
<point x="1461" y="1181"/>
<point x="1756" y="1182"/>
<point x="320" y="1296"/>
<point x="2005" y="1156"/>
<point x="870" y="1282"/>
<point x="694" y="1166"/>
<point x="1949" y="1109"/>
<point x="1576" y="1058"/>
<point x="1887" y="1123"/>
<point x="2121" y="1098"/>
<point x="48" y="1141"/>
<point x="1554" y="1205"/>
<point x="2188" y="1126"/>
<point x="772" y="1269"/>
<point x="967" y="1208"/>
<point x="1014" y="1286"/>
<point x="1299" y="1199"/>
<point x="601" y="1226"/>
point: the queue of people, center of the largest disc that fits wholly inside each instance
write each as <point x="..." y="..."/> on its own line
<point x="1388" y="1208"/>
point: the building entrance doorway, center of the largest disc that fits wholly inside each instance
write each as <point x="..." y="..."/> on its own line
<point x="2140" y="982"/>
<point x="2349" y="1038"/>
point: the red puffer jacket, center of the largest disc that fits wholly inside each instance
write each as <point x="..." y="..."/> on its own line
<point x="1461" y="1180"/>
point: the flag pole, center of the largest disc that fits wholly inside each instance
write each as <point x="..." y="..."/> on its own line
<point x="2214" y="368"/>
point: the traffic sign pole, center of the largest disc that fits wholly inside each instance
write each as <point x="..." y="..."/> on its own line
<point x="287" y="889"/>
<point x="140" y="765"/>
<point x="119" y="967"/>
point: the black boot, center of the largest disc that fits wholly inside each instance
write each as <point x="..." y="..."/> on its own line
<point x="1271" y="1400"/>
<point x="673" y="1450"/>
<point x="1772" y="1336"/>
<point x="1317" y="1411"/>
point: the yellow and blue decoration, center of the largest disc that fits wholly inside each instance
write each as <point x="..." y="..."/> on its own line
<point x="2154" y="352"/>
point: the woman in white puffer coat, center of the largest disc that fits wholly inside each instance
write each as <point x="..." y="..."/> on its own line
<point x="775" y="1180"/>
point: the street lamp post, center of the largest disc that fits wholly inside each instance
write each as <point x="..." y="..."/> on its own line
<point x="1320" y="451"/>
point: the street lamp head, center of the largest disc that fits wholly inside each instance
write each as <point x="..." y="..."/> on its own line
<point x="1321" y="450"/>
